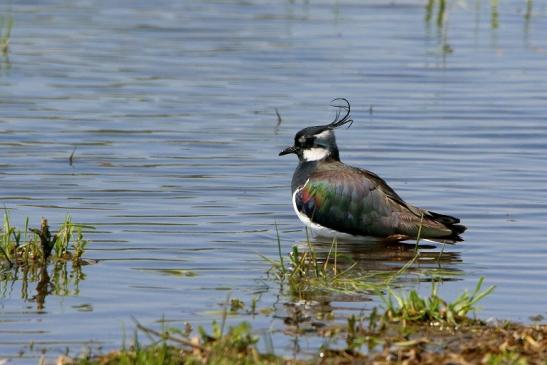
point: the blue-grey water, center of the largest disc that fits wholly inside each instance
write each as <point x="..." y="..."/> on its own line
<point x="170" y="107"/>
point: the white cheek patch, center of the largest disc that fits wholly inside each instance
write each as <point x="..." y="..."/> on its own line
<point x="315" y="154"/>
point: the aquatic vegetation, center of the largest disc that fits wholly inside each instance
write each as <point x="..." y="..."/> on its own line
<point x="35" y="246"/>
<point x="413" y="308"/>
<point x="387" y="341"/>
<point x="305" y="275"/>
<point x="410" y="328"/>
<point x="25" y="254"/>
<point x="173" y="346"/>
<point x="441" y="11"/>
<point x="411" y="313"/>
<point x="6" y="24"/>
<point x="505" y="358"/>
<point x="236" y="305"/>
<point x="475" y="344"/>
<point x="472" y="343"/>
<point x="437" y="12"/>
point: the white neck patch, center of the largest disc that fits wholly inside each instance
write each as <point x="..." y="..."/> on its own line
<point x="315" y="154"/>
<point x="324" y="135"/>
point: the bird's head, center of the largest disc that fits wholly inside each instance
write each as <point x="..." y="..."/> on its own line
<point x="318" y="143"/>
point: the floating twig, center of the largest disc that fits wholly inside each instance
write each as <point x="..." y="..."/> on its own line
<point x="71" y="157"/>
<point x="279" y="120"/>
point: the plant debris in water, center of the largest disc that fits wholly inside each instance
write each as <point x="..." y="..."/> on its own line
<point x="384" y="337"/>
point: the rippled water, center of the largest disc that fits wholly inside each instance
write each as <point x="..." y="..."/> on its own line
<point x="171" y="108"/>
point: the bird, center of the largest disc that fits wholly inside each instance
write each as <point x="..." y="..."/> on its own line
<point x="346" y="202"/>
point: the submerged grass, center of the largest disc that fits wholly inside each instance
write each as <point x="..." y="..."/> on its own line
<point x="6" y="24"/>
<point x="306" y="275"/>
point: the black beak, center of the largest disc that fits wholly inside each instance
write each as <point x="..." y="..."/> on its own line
<point x="288" y="150"/>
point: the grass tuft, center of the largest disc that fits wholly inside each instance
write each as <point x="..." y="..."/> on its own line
<point x="173" y="346"/>
<point x="25" y="255"/>
<point x="31" y="246"/>
<point x="388" y="343"/>
<point x="306" y="275"/>
<point x="414" y="308"/>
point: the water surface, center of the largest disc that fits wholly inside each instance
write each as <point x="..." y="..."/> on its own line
<point x="171" y="108"/>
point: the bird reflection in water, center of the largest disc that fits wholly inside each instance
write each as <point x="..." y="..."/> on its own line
<point x="428" y="260"/>
<point x="388" y="264"/>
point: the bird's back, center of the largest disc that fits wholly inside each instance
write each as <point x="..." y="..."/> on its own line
<point x="360" y="203"/>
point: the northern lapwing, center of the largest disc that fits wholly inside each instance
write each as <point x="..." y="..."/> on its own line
<point x="337" y="200"/>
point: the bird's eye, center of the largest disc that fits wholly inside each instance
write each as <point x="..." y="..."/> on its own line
<point x="305" y="142"/>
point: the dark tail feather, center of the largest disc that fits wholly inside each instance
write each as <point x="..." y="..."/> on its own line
<point x="444" y="219"/>
<point x="450" y="223"/>
<point x="458" y="228"/>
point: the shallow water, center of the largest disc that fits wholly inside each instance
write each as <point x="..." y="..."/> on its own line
<point x="171" y="108"/>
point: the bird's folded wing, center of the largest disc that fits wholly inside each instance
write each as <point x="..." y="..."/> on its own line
<point x="352" y="201"/>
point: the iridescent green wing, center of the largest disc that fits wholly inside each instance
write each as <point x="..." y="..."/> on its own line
<point x="347" y="200"/>
<point x="358" y="202"/>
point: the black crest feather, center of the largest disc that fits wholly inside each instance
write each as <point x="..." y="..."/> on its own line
<point x="340" y="120"/>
